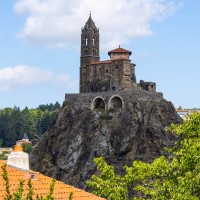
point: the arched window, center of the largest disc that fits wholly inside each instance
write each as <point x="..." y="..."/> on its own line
<point x="93" y="41"/>
<point x="94" y="30"/>
<point x="86" y="41"/>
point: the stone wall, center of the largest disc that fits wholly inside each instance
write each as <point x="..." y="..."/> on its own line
<point x="86" y="100"/>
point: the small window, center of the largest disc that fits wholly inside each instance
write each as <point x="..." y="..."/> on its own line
<point x="86" y="41"/>
<point x="106" y="70"/>
<point x="94" y="52"/>
<point x="93" y="41"/>
<point x="116" y="66"/>
<point x="94" y="30"/>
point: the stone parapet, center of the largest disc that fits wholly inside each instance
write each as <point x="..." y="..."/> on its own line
<point x="86" y="100"/>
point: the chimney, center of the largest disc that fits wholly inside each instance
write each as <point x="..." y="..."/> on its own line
<point x="18" y="159"/>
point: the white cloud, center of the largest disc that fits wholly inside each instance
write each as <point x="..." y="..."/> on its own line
<point x="25" y="76"/>
<point x="57" y="23"/>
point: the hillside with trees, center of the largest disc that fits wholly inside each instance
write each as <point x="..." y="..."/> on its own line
<point x="14" y="122"/>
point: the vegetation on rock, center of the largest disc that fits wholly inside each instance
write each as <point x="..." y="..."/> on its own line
<point x="176" y="177"/>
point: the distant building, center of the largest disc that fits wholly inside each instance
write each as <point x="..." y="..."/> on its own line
<point x="24" y="140"/>
<point x="7" y="150"/>
<point x="183" y="113"/>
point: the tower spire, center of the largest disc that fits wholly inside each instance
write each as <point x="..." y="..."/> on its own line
<point x="89" y="49"/>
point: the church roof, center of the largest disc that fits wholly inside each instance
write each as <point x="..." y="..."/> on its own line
<point x="90" y="23"/>
<point x="25" y="137"/>
<point x="41" y="185"/>
<point x="119" y="50"/>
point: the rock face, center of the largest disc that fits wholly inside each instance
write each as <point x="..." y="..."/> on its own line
<point x="78" y="135"/>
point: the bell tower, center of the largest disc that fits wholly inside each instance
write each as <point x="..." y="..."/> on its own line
<point x="89" y="50"/>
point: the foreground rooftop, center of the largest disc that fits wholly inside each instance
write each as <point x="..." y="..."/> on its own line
<point x="41" y="185"/>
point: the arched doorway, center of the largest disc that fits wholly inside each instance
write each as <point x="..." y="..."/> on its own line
<point x="115" y="104"/>
<point x="98" y="104"/>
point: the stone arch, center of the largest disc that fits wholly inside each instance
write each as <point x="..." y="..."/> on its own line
<point x="115" y="104"/>
<point x="98" y="104"/>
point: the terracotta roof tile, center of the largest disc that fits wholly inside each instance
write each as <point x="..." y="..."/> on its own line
<point x="41" y="185"/>
<point x="119" y="50"/>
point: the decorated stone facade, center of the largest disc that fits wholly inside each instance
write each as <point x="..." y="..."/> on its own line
<point x="115" y="74"/>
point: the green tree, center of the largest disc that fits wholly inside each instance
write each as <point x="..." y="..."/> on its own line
<point x="108" y="184"/>
<point x="176" y="177"/>
<point x="180" y="108"/>
<point x="3" y="156"/>
<point x="27" y="147"/>
<point x="14" y="122"/>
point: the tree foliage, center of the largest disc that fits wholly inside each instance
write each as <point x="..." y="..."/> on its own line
<point x="27" y="147"/>
<point x="15" y="122"/>
<point x="176" y="177"/>
<point x="3" y="155"/>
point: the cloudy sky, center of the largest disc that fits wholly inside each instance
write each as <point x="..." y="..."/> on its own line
<point x="40" y="46"/>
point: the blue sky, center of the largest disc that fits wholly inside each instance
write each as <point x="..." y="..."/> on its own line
<point x="40" y="46"/>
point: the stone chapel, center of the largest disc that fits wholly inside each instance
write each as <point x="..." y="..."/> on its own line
<point x="115" y="74"/>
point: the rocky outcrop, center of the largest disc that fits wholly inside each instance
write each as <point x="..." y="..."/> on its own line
<point x="78" y="135"/>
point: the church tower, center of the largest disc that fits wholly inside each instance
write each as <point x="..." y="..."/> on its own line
<point x="89" y="50"/>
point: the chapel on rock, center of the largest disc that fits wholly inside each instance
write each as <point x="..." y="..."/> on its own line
<point x="115" y="74"/>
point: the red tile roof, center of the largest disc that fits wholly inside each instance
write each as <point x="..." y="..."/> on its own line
<point x="41" y="185"/>
<point x="119" y="50"/>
